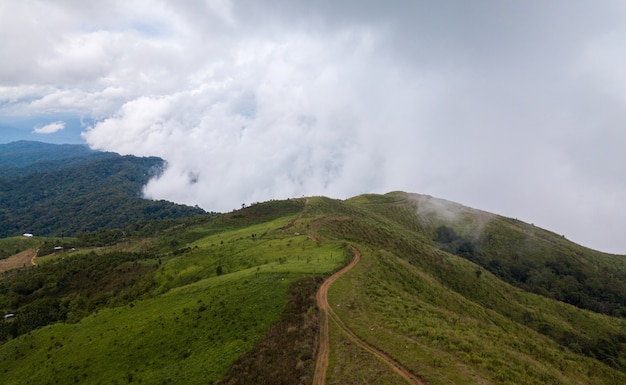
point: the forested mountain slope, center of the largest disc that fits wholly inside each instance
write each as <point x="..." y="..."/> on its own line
<point x="53" y="195"/>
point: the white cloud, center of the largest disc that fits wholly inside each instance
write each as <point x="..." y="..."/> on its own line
<point x="512" y="107"/>
<point x="49" y="128"/>
<point x="269" y="123"/>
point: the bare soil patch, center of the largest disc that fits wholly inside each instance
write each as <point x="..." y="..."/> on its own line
<point x="20" y="260"/>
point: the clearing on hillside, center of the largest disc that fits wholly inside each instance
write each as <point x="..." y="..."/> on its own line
<point x="20" y="260"/>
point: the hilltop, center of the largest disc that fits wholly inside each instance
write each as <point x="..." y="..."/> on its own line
<point x="440" y="292"/>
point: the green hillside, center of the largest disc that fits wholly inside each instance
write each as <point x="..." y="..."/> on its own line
<point x="450" y="294"/>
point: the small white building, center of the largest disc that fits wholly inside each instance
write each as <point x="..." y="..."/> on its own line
<point x="9" y="316"/>
<point x="27" y="235"/>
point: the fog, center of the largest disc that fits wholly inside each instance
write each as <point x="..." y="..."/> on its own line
<point x="511" y="107"/>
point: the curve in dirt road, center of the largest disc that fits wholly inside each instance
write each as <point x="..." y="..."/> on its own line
<point x="321" y="364"/>
<point x="319" y="376"/>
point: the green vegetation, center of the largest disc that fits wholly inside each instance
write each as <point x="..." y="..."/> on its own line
<point x="229" y="299"/>
<point x="287" y="354"/>
<point x="101" y="194"/>
<point x="70" y="289"/>
<point x="13" y="245"/>
<point x="165" y="315"/>
<point x="21" y="154"/>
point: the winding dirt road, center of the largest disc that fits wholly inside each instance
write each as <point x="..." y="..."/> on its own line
<point x="319" y="376"/>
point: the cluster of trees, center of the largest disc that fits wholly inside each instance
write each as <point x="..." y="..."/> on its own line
<point x="555" y="273"/>
<point x="70" y="289"/>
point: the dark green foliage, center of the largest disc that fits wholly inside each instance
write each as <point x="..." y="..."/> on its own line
<point x="541" y="262"/>
<point x="446" y="234"/>
<point x="287" y="353"/>
<point x="54" y="165"/>
<point x="70" y="289"/>
<point x="100" y="194"/>
<point x="24" y="153"/>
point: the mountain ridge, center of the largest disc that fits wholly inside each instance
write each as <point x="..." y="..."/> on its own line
<point x="24" y="152"/>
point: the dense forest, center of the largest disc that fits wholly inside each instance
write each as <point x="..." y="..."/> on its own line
<point x="528" y="260"/>
<point x="71" y="289"/>
<point x="65" y="196"/>
<point x="25" y="152"/>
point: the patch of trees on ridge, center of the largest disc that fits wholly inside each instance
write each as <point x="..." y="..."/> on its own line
<point x="552" y="274"/>
<point x="71" y="288"/>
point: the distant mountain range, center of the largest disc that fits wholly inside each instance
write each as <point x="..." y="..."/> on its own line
<point x="50" y="189"/>
<point x="24" y="157"/>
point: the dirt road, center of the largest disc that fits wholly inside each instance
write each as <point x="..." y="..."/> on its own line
<point x="16" y="261"/>
<point x="319" y="377"/>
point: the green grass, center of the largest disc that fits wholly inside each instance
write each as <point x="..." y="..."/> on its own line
<point x="187" y="337"/>
<point x="196" y="320"/>
<point x="208" y="291"/>
<point x="449" y="319"/>
<point x="14" y="245"/>
<point x="449" y="338"/>
<point x="350" y="364"/>
<point x="263" y="247"/>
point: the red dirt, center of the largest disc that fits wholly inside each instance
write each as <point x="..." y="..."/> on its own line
<point x="319" y="376"/>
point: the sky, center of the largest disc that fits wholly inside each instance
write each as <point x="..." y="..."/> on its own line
<point x="512" y="107"/>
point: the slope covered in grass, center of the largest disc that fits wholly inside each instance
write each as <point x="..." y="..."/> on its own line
<point x="208" y="302"/>
<point x="13" y="245"/>
<point x="451" y="321"/>
<point x="220" y="299"/>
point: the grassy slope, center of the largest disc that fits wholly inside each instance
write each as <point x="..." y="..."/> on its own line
<point x="195" y="323"/>
<point x="450" y="324"/>
<point x="13" y="245"/>
<point x="449" y="338"/>
<point x="443" y="316"/>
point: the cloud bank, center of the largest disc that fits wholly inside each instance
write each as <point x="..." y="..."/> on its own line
<point x="515" y="108"/>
